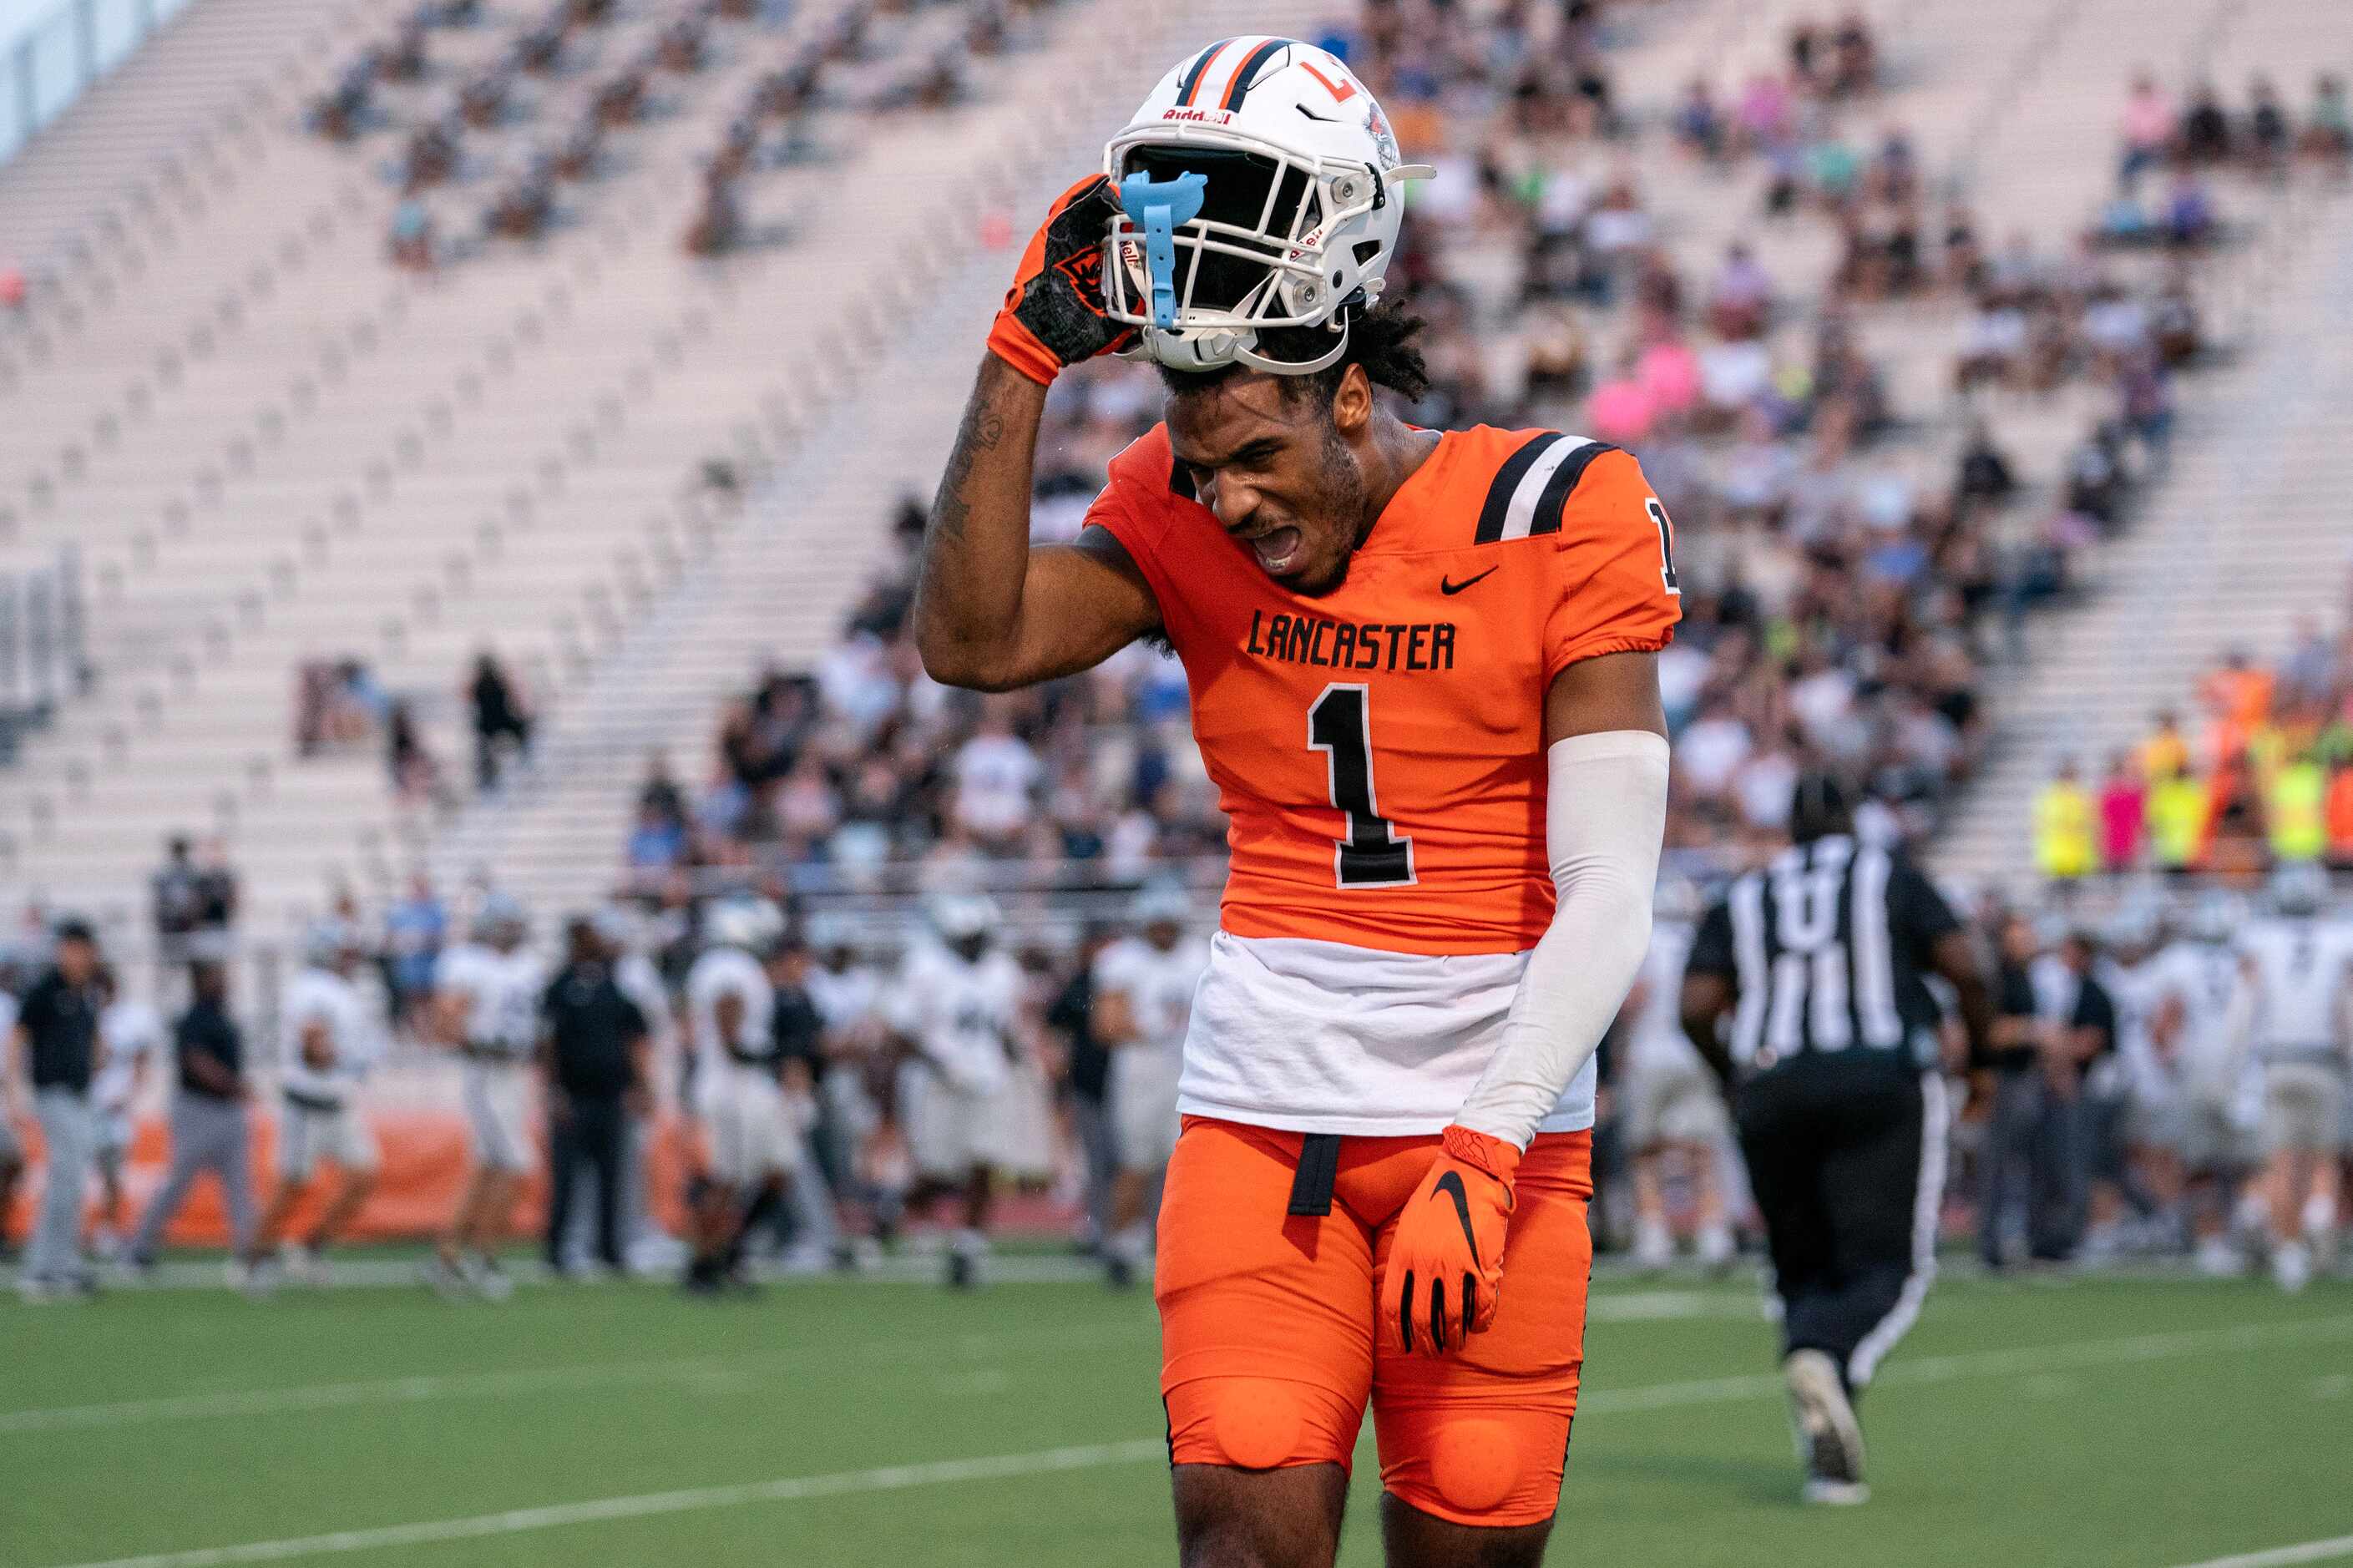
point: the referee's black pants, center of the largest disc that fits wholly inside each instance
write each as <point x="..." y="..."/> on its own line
<point x="592" y="1136"/>
<point x="1846" y="1156"/>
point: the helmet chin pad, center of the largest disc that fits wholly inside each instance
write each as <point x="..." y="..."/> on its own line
<point x="1214" y="348"/>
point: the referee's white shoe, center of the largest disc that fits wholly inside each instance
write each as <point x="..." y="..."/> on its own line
<point x="1830" y="1439"/>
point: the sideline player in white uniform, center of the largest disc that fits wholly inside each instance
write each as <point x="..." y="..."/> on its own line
<point x="2201" y="1103"/>
<point x="738" y="1093"/>
<point x="2128" y="969"/>
<point x="134" y="1040"/>
<point x="1143" y="989"/>
<point x="974" y="1100"/>
<point x="486" y="997"/>
<point x="848" y="995"/>
<point x="1673" y="1107"/>
<point x="2302" y="969"/>
<point x="329" y="1043"/>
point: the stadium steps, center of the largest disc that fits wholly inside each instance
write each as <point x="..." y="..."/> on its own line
<point x="776" y="589"/>
<point x="2246" y="535"/>
<point x="510" y="453"/>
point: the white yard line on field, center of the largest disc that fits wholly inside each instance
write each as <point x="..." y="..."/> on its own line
<point x="2285" y="1556"/>
<point x="697" y="1372"/>
<point x="1000" y="1466"/>
<point x="792" y="1489"/>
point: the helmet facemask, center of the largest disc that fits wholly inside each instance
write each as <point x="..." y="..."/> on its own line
<point x="1258" y="253"/>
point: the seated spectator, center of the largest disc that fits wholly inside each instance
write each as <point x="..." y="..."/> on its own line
<point x="523" y="209"/>
<point x="2204" y="134"/>
<point x="482" y="102"/>
<point x="1702" y="127"/>
<point x="1854" y="57"/>
<point x="1993" y="346"/>
<point x="1984" y="475"/>
<point x="2147" y="131"/>
<point x="1765" y="118"/>
<point x="1741" y="296"/>
<point x="718" y="226"/>
<point x="412" y="235"/>
<point x="2268" y="136"/>
<point x="1963" y="263"/>
<point x="2189" y="217"/>
<point x="1734" y="377"/>
<point x="415" y="774"/>
<point x="656" y="844"/>
<point x="2327" y="134"/>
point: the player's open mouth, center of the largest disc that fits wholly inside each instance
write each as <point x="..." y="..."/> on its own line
<point x="1278" y="551"/>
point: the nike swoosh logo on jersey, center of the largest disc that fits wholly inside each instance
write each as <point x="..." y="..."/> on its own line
<point x="1451" y="1183"/>
<point x="1449" y="587"/>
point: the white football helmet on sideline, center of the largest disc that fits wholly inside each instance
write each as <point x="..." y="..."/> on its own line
<point x="752" y="924"/>
<point x="1281" y="198"/>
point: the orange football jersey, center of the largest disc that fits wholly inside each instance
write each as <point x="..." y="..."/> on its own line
<point x="1379" y="750"/>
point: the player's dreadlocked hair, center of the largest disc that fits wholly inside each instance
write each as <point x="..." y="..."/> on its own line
<point x="1381" y="339"/>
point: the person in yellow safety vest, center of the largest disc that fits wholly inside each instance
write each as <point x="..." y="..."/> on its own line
<point x="2065" y="846"/>
<point x="2176" y="820"/>
<point x="2296" y="809"/>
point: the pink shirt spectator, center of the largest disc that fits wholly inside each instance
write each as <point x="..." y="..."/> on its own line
<point x="2148" y="118"/>
<point x="2122" y="815"/>
<point x="1669" y="372"/>
<point x="1620" y="412"/>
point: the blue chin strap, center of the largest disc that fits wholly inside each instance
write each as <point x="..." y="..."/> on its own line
<point x="1158" y="206"/>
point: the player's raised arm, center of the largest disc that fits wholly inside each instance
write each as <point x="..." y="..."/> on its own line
<point x="990" y="611"/>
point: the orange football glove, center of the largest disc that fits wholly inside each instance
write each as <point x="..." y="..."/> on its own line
<point x="1053" y="315"/>
<point x="1446" y="1261"/>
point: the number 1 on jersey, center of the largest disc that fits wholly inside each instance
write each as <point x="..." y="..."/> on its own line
<point x="1340" y="726"/>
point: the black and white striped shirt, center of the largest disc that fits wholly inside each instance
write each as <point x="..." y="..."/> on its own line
<point x="1826" y="949"/>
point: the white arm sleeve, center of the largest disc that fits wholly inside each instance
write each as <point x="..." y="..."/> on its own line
<point x="1604" y="821"/>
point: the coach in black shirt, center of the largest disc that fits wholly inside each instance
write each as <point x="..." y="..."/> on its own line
<point x="1807" y="992"/>
<point x="208" y="1117"/>
<point x="595" y="1045"/>
<point x="58" y="1037"/>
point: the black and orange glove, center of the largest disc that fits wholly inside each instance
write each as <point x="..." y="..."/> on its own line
<point x="1446" y="1261"/>
<point x="1053" y="315"/>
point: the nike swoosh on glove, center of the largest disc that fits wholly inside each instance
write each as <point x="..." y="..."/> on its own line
<point x="1446" y="1261"/>
<point x="1053" y="315"/>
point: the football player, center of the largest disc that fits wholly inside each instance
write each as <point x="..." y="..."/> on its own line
<point x="1423" y="676"/>
<point x="2205" y="1101"/>
<point x="486" y="1007"/>
<point x="134" y="1040"/>
<point x="1675" y="1110"/>
<point x="974" y="1099"/>
<point x="329" y="1046"/>
<point x="1143" y="989"/>
<point x="738" y="1092"/>
<point x="2302" y="969"/>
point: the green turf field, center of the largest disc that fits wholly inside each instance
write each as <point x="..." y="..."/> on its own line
<point x="2146" y="1424"/>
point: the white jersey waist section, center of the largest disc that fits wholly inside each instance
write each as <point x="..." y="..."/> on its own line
<point x="1320" y="1036"/>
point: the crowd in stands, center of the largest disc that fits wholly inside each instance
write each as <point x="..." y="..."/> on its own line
<point x="1839" y="605"/>
<point x="2260" y="776"/>
<point x="539" y="111"/>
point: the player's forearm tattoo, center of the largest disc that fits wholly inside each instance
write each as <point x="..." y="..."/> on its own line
<point x="968" y="592"/>
<point x="983" y="430"/>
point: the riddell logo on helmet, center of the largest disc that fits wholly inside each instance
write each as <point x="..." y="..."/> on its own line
<point x="1207" y="116"/>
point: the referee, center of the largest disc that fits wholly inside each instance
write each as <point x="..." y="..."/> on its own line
<point x="1805" y="992"/>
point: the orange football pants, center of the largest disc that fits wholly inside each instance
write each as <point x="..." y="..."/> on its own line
<point x="1269" y="1348"/>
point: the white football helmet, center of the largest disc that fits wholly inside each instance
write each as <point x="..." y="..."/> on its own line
<point x="2299" y="890"/>
<point x="1280" y="198"/>
<point x="754" y="924"/>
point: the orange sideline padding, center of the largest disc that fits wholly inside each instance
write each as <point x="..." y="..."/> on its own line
<point x="423" y="1175"/>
